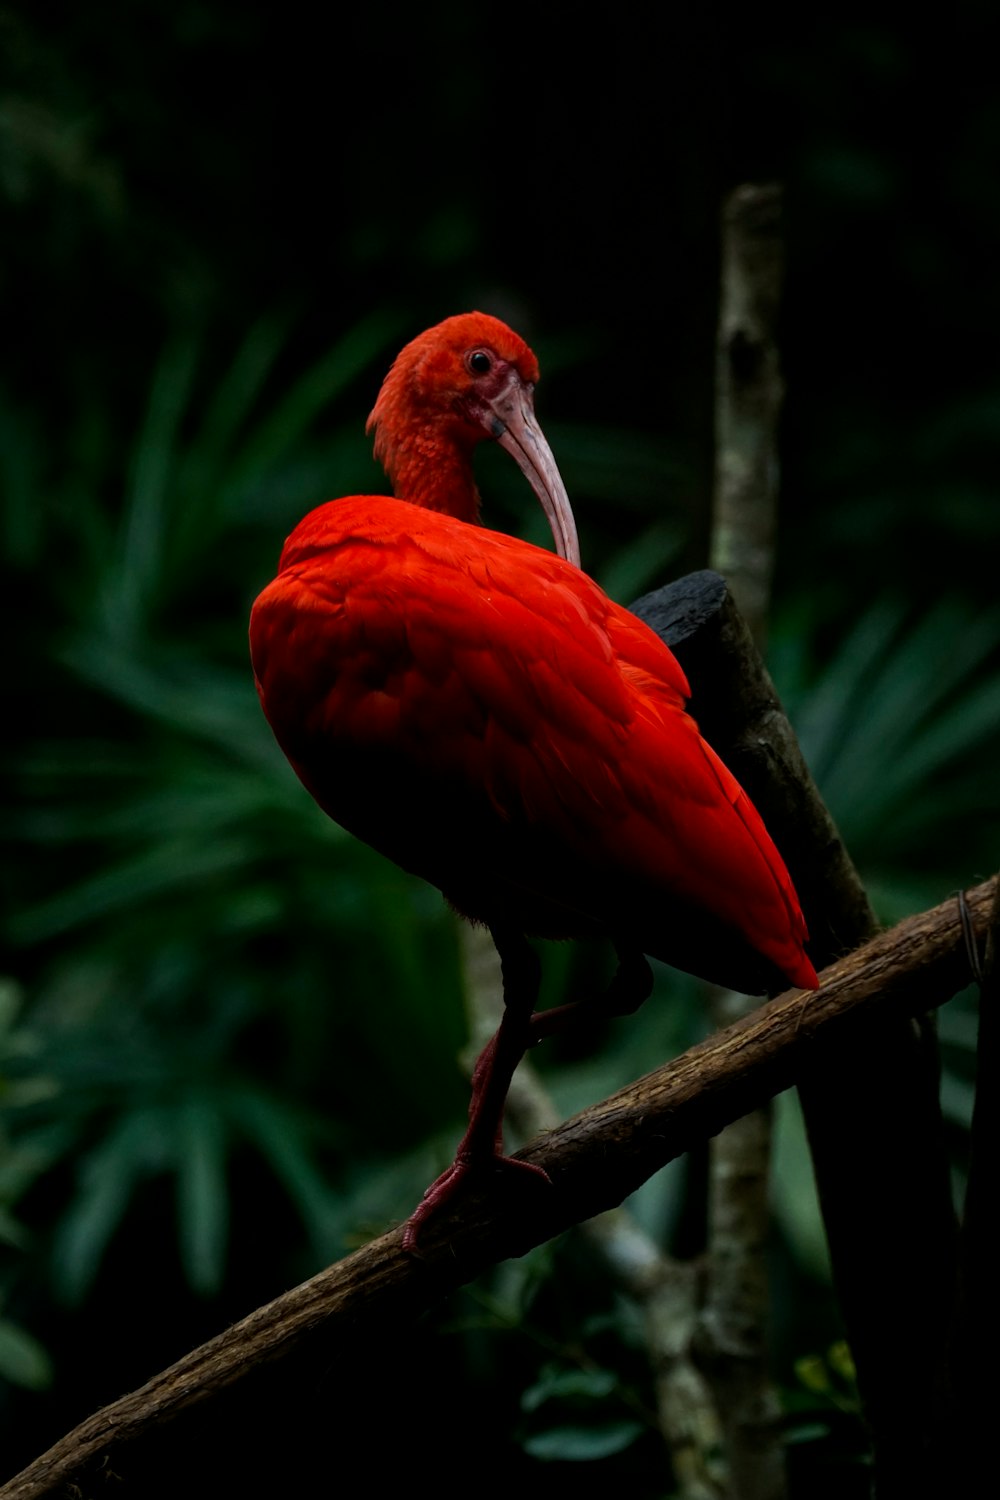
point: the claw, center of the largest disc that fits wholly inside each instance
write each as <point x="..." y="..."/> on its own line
<point x="443" y="1189"/>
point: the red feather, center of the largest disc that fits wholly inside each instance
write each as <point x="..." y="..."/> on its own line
<point x="481" y="712"/>
<point x="490" y="720"/>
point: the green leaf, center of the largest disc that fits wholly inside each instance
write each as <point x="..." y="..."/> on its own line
<point x="807" y="1432"/>
<point x="556" y="1382"/>
<point x="579" y="1444"/>
<point x="316" y="389"/>
<point x="11" y="1001"/>
<point x="132" y="1149"/>
<point x="793" y="1189"/>
<point x="202" y="1193"/>
<point x="643" y="562"/>
<point x="229" y="408"/>
<point x="23" y="1360"/>
<point x="898" y="729"/>
<point x="11" y="1232"/>
<point x="280" y="1136"/>
<point x="958" y="1098"/>
<point x="131" y="584"/>
<point x="161" y="869"/>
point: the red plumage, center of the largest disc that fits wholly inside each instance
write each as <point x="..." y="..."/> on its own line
<point x="478" y="709"/>
<point x="490" y="720"/>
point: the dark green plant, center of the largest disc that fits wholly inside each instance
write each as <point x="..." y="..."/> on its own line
<point x="225" y="991"/>
<point x="215" y="969"/>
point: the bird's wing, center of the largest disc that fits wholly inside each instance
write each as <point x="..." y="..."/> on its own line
<point x="436" y="685"/>
<point x="689" y="812"/>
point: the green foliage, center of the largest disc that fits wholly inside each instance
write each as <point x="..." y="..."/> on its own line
<point x="898" y="723"/>
<point x="23" y="1360"/>
<point x="180" y="903"/>
<point x="581" y="1398"/>
<point x="235" y="1052"/>
<point x="824" y="1406"/>
<point x="169" y="866"/>
<point x="899" y="729"/>
<point x="577" y="1407"/>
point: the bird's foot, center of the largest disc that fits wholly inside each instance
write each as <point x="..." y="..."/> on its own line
<point x="466" y="1167"/>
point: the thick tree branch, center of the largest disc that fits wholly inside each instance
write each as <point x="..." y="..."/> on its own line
<point x="740" y="714"/>
<point x="594" y="1160"/>
<point x="871" y="1110"/>
<point x="978" y="1318"/>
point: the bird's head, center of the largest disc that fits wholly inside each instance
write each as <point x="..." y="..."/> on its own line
<point x="465" y="380"/>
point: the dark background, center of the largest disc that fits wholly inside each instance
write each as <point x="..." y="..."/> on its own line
<point x="229" y="1033"/>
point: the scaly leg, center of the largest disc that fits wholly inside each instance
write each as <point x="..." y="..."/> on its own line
<point x="482" y="1144"/>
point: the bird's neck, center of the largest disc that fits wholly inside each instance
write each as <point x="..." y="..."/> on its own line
<point x="431" y="470"/>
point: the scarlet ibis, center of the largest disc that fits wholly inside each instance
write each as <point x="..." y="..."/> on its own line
<point x="481" y="712"/>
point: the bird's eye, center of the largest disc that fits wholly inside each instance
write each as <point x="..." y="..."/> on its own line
<point x="479" y="362"/>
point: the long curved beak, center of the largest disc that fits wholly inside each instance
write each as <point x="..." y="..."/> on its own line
<point x="516" y="429"/>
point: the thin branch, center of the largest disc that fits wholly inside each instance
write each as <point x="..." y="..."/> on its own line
<point x="732" y="1334"/>
<point x="595" y="1160"/>
<point x="748" y="395"/>
<point x="667" y="1293"/>
<point x="731" y="1340"/>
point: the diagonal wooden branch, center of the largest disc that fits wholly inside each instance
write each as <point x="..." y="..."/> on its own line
<point x="595" y="1160"/>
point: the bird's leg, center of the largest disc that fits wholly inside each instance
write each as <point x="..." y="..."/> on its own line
<point x="482" y="1144"/>
<point x="630" y="986"/>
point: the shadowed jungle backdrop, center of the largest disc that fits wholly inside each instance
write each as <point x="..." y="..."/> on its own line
<point x="228" y="1033"/>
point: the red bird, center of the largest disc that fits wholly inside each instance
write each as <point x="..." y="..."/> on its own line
<point x="481" y="712"/>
